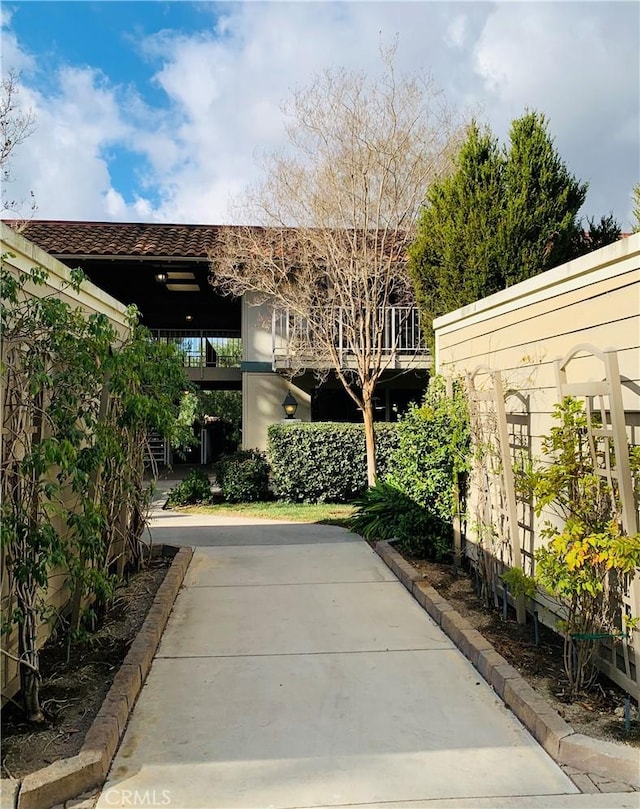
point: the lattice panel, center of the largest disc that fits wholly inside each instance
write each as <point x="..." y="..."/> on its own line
<point x="495" y="436"/>
<point x="609" y="448"/>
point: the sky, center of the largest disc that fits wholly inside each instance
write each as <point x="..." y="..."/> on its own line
<point x="159" y="111"/>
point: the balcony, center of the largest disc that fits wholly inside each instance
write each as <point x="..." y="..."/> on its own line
<point x="403" y="344"/>
<point x="207" y="354"/>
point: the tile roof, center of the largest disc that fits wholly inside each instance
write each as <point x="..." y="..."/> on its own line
<point x="122" y="238"/>
<point x="110" y="239"/>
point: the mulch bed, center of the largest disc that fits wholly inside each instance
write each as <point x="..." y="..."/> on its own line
<point x="72" y="691"/>
<point x="596" y="713"/>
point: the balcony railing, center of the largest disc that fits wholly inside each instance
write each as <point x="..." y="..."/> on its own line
<point x="204" y="348"/>
<point x="293" y="341"/>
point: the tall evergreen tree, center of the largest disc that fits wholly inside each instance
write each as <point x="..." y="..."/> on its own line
<point x="542" y="201"/>
<point x="504" y="215"/>
<point x="599" y="234"/>
<point x="455" y="256"/>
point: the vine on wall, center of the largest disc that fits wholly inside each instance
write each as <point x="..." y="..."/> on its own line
<point x="496" y="522"/>
<point x="77" y="404"/>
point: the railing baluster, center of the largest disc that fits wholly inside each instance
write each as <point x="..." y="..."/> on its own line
<point x="401" y="334"/>
<point x="393" y="328"/>
<point x="193" y="345"/>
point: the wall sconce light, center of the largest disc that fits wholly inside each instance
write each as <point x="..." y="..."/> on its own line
<point x="290" y="405"/>
<point x="188" y="318"/>
<point x="161" y="277"/>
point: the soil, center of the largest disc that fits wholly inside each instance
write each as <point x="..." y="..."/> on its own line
<point x="597" y="713"/>
<point x="72" y="692"/>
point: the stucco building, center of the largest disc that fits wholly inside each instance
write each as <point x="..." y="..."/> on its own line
<point x="227" y="343"/>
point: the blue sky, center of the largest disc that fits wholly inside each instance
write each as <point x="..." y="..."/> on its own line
<point x="106" y="39"/>
<point x="159" y="111"/>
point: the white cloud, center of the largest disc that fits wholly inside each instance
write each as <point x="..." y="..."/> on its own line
<point x="577" y="63"/>
<point x="13" y="56"/>
<point x="227" y="92"/>
<point x="223" y="86"/>
<point x="64" y="161"/>
<point x="455" y="34"/>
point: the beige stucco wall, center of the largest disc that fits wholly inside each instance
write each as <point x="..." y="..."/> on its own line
<point x="522" y="330"/>
<point x="262" y="397"/>
<point x="256" y="330"/>
<point x="263" y="390"/>
<point x="19" y="255"/>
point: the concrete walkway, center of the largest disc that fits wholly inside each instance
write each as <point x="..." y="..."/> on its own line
<point x="296" y="671"/>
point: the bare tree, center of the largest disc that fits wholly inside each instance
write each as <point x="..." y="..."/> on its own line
<point x="16" y="124"/>
<point x="335" y="215"/>
<point x="635" y="197"/>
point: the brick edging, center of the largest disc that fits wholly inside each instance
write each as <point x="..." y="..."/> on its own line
<point x="70" y="777"/>
<point x="557" y="737"/>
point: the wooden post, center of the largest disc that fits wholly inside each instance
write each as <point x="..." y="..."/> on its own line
<point x="508" y="485"/>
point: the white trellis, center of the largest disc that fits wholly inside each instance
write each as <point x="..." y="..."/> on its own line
<point x="497" y="523"/>
<point x="607" y="436"/>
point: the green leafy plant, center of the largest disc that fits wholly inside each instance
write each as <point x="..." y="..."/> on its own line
<point x="385" y="512"/>
<point x="585" y="570"/>
<point x="77" y="401"/>
<point x="587" y="559"/>
<point x="195" y="488"/>
<point x="418" y="498"/>
<point x="198" y="405"/>
<point x="519" y="583"/>
<point x="431" y="463"/>
<point x="183" y="436"/>
<point x="243" y="477"/>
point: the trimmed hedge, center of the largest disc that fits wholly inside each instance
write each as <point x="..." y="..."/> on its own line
<point x="319" y="462"/>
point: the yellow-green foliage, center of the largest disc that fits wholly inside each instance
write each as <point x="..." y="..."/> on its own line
<point x="586" y="562"/>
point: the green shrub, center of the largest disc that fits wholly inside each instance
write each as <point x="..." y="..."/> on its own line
<point x="243" y="476"/>
<point x="323" y="462"/>
<point x="195" y="488"/>
<point x="385" y="512"/>
<point x="432" y="457"/>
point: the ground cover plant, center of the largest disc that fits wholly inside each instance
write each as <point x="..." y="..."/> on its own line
<point x="385" y="512"/>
